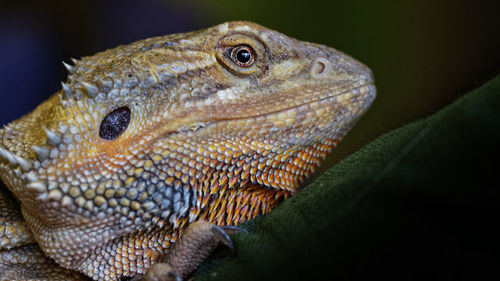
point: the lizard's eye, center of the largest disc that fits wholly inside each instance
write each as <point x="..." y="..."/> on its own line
<point x="243" y="55"/>
<point x="115" y="123"/>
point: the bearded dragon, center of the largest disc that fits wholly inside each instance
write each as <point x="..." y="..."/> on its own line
<point x="151" y="151"/>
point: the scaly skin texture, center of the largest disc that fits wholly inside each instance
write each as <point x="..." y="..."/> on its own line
<point x="208" y="139"/>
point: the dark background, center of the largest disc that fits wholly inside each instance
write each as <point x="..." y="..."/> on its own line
<point x="424" y="54"/>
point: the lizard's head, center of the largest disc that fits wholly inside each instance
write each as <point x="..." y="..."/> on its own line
<point x="218" y="124"/>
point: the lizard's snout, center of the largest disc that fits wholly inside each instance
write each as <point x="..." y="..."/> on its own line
<point x="344" y="81"/>
<point x="322" y="67"/>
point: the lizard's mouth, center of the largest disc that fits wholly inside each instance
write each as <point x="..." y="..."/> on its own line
<point x="315" y="112"/>
<point x="363" y="94"/>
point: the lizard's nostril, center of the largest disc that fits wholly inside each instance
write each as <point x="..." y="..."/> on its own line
<point x="320" y="68"/>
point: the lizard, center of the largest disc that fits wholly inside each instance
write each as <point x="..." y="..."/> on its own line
<point x="151" y="153"/>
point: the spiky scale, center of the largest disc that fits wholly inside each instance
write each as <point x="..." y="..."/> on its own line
<point x="68" y="67"/>
<point x="91" y="90"/>
<point x="14" y="159"/>
<point x="42" y="152"/>
<point x="37" y="186"/>
<point x="53" y="139"/>
<point x="68" y="92"/>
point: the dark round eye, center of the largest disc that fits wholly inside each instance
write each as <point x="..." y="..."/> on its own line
<point x="243" y="55"/>
<point x="115" y="123"/>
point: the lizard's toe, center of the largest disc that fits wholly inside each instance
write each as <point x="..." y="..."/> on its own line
<point x="196" y="244"/>
<point x="161" y="272"/>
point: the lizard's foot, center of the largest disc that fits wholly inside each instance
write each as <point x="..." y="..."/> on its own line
<point x="192" y="248"/>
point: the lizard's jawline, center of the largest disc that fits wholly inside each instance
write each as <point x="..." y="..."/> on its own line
<point x="367" y="85"/>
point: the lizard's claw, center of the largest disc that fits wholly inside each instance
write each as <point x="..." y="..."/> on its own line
<point x="222" y="234"/>
<point x="192" y="248"/>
